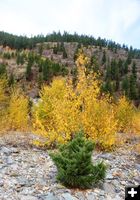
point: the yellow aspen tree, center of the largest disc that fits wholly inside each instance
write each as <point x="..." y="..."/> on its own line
<point x="64" y="109"/>
<point x="124" y="114"/>
<point x="3" y="84"/>
<point x="56" y="116"/>
<point x="3" y="103"/>
<point x="136" y="122"/>
<point x="97" y="115"/>
<point x="18" y="111"/>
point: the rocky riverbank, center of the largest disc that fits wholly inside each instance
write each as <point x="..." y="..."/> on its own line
<point x="28" y="173"/>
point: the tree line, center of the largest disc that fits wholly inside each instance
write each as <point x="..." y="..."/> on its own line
<point x="23" y="42"/>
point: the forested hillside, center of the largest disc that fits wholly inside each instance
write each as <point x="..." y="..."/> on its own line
<point x="31" y="61"/>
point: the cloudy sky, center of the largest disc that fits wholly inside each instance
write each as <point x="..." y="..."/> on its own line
<point x="118" y="20"/>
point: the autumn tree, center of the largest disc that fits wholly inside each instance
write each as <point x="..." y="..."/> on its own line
<point x="18" y="111"/>
<point x="63" y="110"/>
<point x="104" y="57"/>
<point x="124" y="115"/>
<point x="3" y="102"/>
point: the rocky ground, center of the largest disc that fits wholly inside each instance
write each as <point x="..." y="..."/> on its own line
<point x="28" y="173"/>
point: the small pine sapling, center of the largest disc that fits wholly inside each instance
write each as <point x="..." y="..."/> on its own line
<point x="74" y="164"/>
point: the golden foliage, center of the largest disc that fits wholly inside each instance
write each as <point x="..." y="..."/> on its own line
<point x="3" y="84"/>
<point x="63" y="110"/>
<point x="3" y="103"/>
<point x="125" y="113"/>
<point x="56" y="116"/>
<point x="18" y="111"/>
<point x="136" y="122"/>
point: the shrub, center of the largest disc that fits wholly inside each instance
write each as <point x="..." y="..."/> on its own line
<point x="75" y="168"/>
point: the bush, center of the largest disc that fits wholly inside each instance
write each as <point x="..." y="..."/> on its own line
<point x="75" y="168"/>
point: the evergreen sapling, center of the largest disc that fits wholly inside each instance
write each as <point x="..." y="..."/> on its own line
<point x="74" y="164"/>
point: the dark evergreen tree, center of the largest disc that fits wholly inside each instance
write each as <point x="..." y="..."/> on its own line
<point x="114" y="69"/>
<point x="47" y="71"/>
<point x="133" y="88"/>
<point x="134" y="70"/>
<point x="56" y="69"/>
<point x="126" y="67"/>
<point x="40" y="49"/>
<point x="74" y="73"/>
<point x="2" y="69"/>
<point x="94" y="65"/>
<point x="29" y="72"/>
<point x="7" y="55"/>
<point x="121" y="67"/>
<point x="129" y="58"/>
<point x="76" y="51"/>
<point x="108" y="72"/>
<point x="40" y="80"/>
<point x="74" y="164"/>
<point x="104" y="57"/>
<point x="20" y="58"/>
<point x="108" y="87"/>
<point x="11" y="80"/>
<point x="62" y="49"/>
<point x="125" y="86"/>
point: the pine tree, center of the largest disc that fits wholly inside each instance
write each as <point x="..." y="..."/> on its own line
<point x="2" y="69"/>
<point x="18" y="58"/>
<point x="11" y="80"/>
<point x="104" y="58"/>
<point x="62" y="49"/>
<point x="75" y="168"/>
<point x="134" y="70"/>
<point x="133" y="90"/>
<point x="94" y="64"/>
<point x="28" y="72"/>
<point x="125" y="67"/>
<point x="114" y="70"/>
<point x="129" y="58"/>
<point x="108" y="87"/>
<point x="108" y="72"/>
<point x="47" y="71"/>
<point x="125" y="86"/>
<point x="121" y="67"/>
<point x="40" y="80"/>
<point x="40" y="50"/>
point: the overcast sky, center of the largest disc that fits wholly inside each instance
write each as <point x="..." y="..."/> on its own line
<point x="118" y="20"/>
